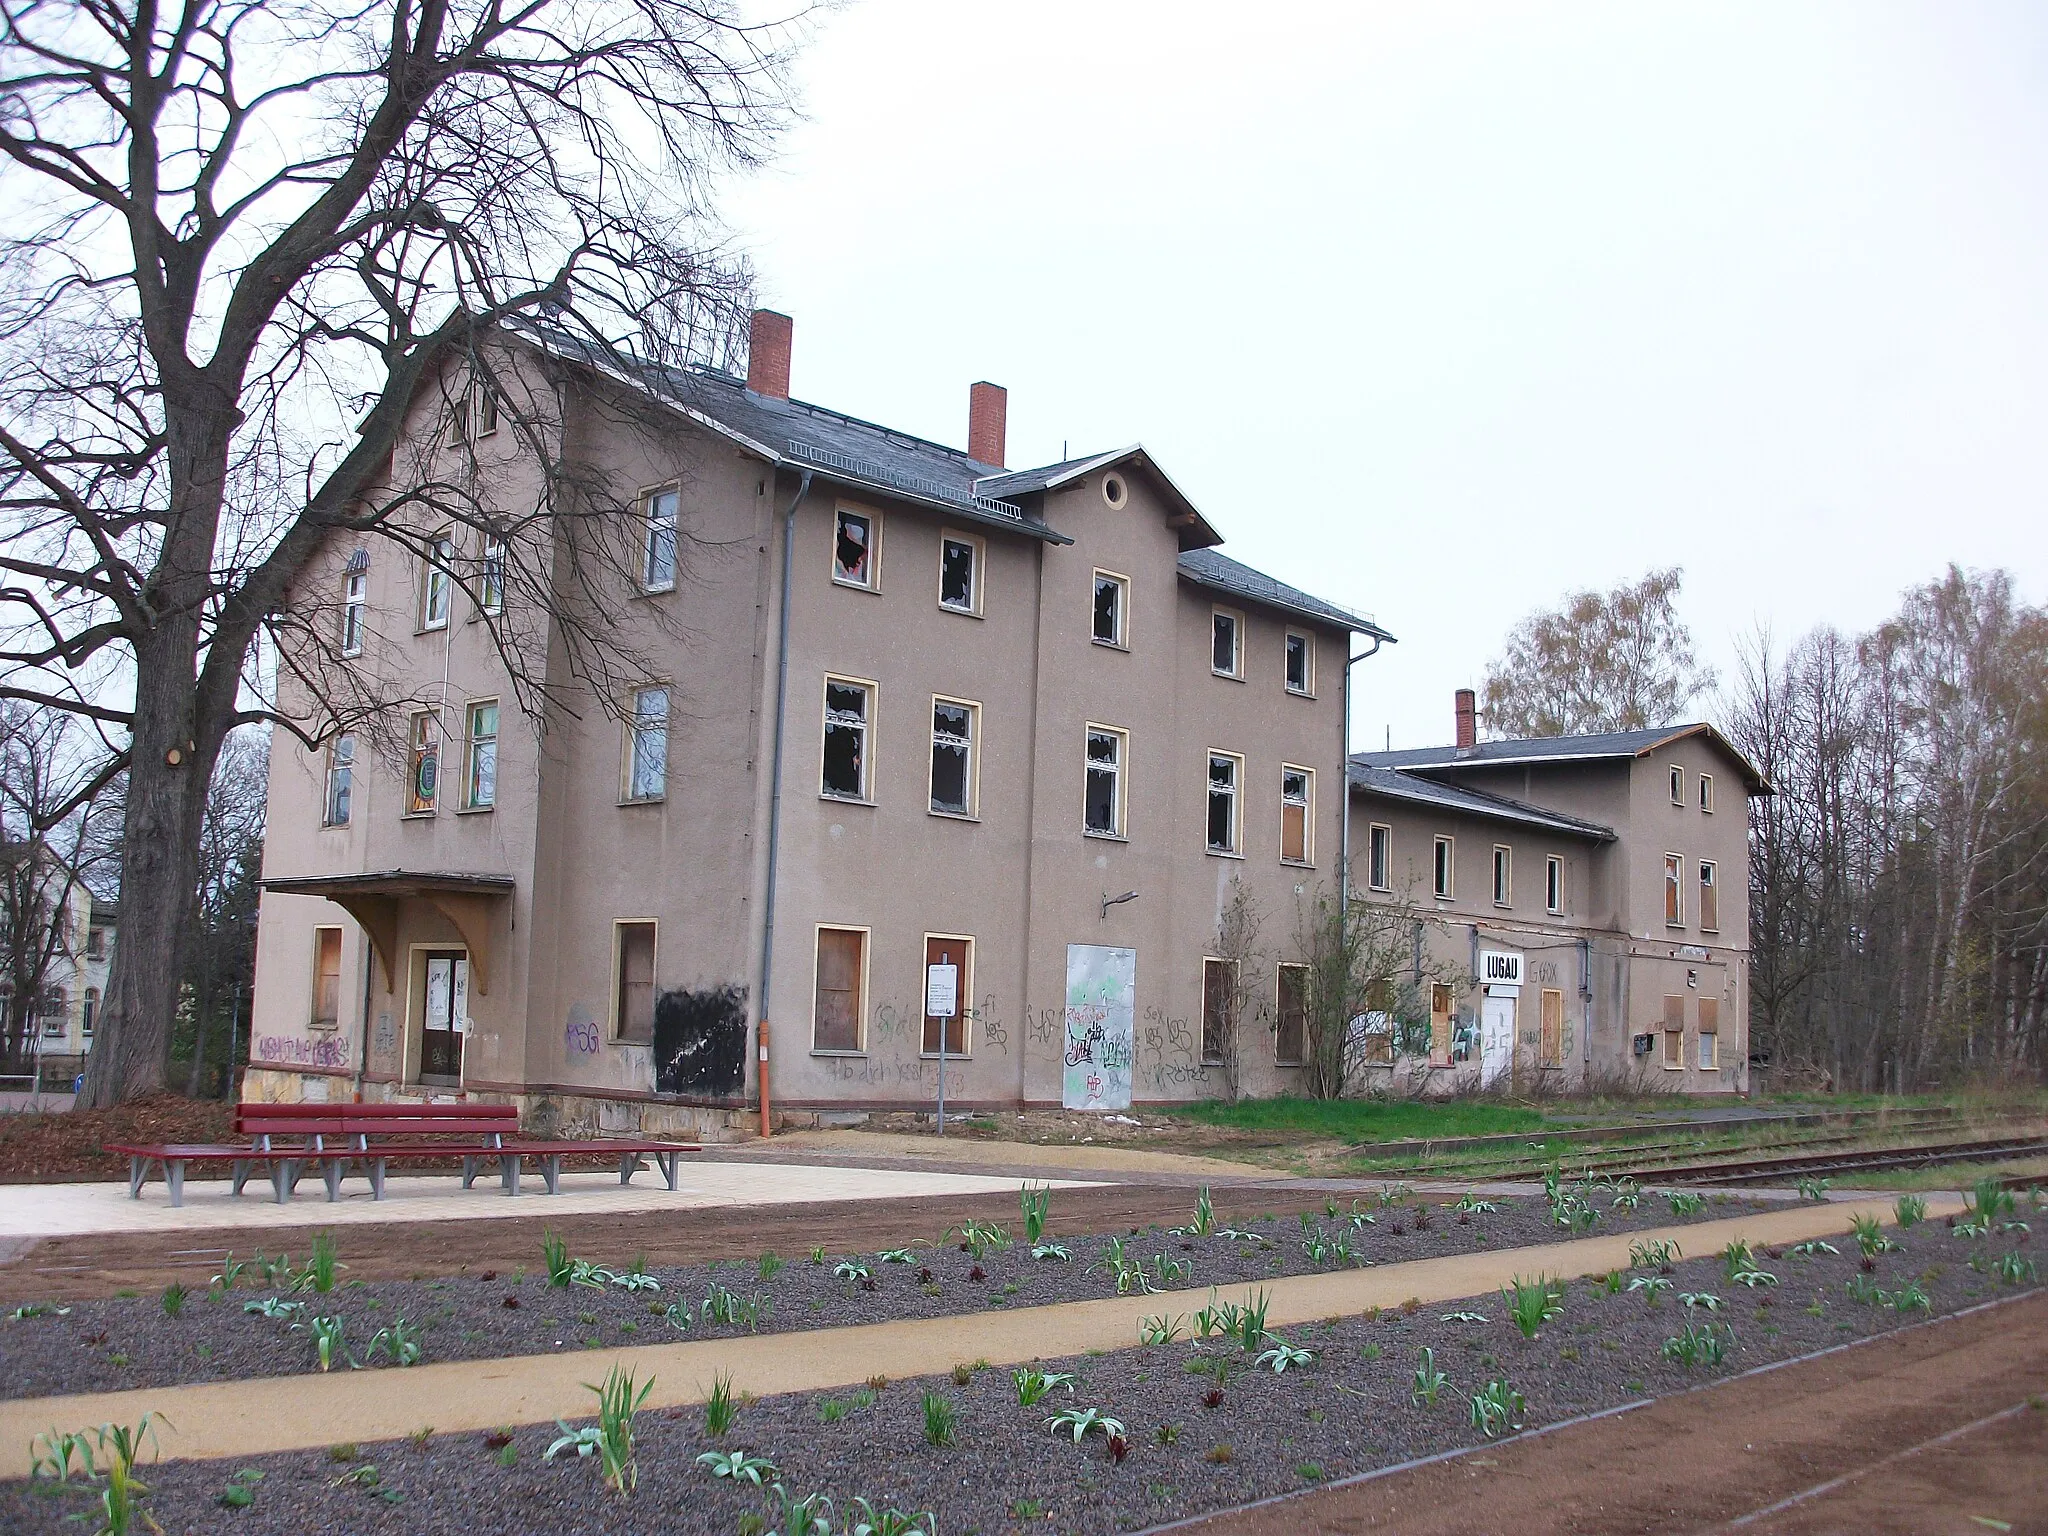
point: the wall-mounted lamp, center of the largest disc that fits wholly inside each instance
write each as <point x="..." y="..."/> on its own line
<point x="1109" y="901"/>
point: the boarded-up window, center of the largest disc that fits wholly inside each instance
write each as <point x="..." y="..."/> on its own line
<point x="1551" y="1050"/>
<point x="1294" y="813"/>
<point x="1292" y="1035"/>
<point x="1219" y="989"/>
<point x="1674" y="1032"/>
<point x="1710" y="1034"/>
<point x="633" y="983"/>
<point x="326" y="978"/>
<point x="1439" y="1026"/>
<point x="1710" y="897"/>
<point x="1379" y="1022"/>
<point x="836" y="1011"/>
<point x="958" y="953"/>
<point x="1674" y="894"/>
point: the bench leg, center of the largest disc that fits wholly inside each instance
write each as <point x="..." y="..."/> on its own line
<point x="174" y="1178"/>
<point x="508" y="1172"/>
<point x="138" y="1173"/>
<point x="377" y="1178"/>
<point x="551" y="1170"/>
<point x="332" y="1171"/>
<point x="468" y="1172"/>
<point x="284" y="1174"/>
<point x="629" y="1164"/>
<point x="241" y="1173"/>
<point x="671" y="1166"/>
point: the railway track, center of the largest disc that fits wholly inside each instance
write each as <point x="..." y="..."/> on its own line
<point x="1782" y="1170"/>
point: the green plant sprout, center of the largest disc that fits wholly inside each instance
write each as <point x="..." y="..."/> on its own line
<point x="400" y="1342"/>
<point x="1497" y="1408"/>
<point x="555" y="1254"/>
<point x="1532" y="1303"/>
<point x="1684" y="1202"/>
<point x="230" y="1271"/>
<point x="1284" y="1356"/>
<point x="274" y="1307"/>
<point x="1697" y="1345"/>
<point x="1910" y="1210"/>
<point x="1033" y="1385"/>
<point x="1428" y="1380"/>
<point x="1706" y="1301"/>
<point x="327" y="1339"/>
<point x="1082" y="1422"/>
<point x="1462" y="1317"/>
<point x="1652" y="1286"/>
<point x="720" y="1407"/>
<point x="940" y="1418"/>
<point x="1811" y="1188"/>
<point x="1812" y="1248"/>
<point x="1034" y="1202"/>
<point x="1653" y="1255"/>
<point x="173" y="1299"/>
<point x="738" y="1466"/>
<point x="1161" y="1328"/>
<point x="611" y="1438"/>
<point x="240" y="1492"/>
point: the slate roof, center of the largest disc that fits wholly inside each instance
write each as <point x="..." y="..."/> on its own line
<point x="1220" y="573"/>
<point x="1560" y="749"/>
<point x="1396" y="785"/>
<point x="846" y="450"/>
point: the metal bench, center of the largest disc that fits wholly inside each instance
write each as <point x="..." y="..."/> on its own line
<point x="288" y="1139"/>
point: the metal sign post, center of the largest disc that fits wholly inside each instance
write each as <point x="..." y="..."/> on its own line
<point x="942" y="1002"/>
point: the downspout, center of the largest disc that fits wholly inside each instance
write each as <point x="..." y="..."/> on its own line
<point x="1344" y="827"/>
<point x="775" y="793"/>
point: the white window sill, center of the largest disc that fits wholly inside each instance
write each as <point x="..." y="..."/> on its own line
<point x="1300" y="693"/>
<point x="950" y="1056"/>
<point x="967" y="816"/>
<point x="655" y="591"/>
<point x="417" y="816"/>
<point x="833" y="799"/>
<point x="1105" y="837"/>
<point x="1504" y="906"/>
<point x="1229" y="677"/>
<point x="857" y="1055"/>
<point x="1299" y="863"/>
<point x="475" y="810"/>
<point x="965" y="613"/>
<point x="1222" y="853"/>
<point x="644" y="800"/>
<point x="1109" y="645"/>
<point x="856" y="586"/>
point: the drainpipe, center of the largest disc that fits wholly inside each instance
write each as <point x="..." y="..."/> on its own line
<point x="775" y="794"/>
<point x="1344" y="826"/>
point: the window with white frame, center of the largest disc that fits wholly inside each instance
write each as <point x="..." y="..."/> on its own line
<point x="1112" y="600"/>
<point x="854" y="553"/>
<point x="1103" y="812"/>
<point x="647" y="745"/>
<point x="1226" y="643"/>
<point x="1553" y="884"/>
<point x="1379" y="857"/>
<point x="1301" y="663"/>
<point x="341" y="772"/>
<point x="1503" y="875"/>
<point x="90" y="1014"/>
<point x="1674" y="891"/>
<point x="1707" y="793"/>
<point x="954" y="723"/>
<point x="422" y="764"/>
<point x="960" y="573"/>
<point x="658" y="554"/>
<point x="355" y="602"/>
<point x="486" y="411"/>
<point x="1677" y="785"/>
<point x="437" y="584"/>
<point x="1297" y="814"/>
<point x="490" y="586"/>
<point x="480" y="756"/>
<point x="849" y="716"/>
<point x="56" y="1013"/>
<point x="1226" y="772"/>
<point x="1446" y="870"/>
<point x="1710" y="896"/>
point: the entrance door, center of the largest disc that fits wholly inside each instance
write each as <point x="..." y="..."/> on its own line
<point x="445" y="1018"/>
<point x="1496" y="1038"/>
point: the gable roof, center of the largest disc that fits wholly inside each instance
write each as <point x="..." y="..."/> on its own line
<point x="1220" y="573"/>
<point x="1195" y="530"/>
<point x="1594" y="747"/>
<point x="1393" y="784"/>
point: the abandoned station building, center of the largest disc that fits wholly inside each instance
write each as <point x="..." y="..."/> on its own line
<point x="1590" y="898"/>
<point x="922" y="755"/>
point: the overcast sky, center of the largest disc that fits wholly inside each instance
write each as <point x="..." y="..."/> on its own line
<point x="1442" y="310"/>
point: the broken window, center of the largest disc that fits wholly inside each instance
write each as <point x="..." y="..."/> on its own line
<point x="1224" y="645"/>
<point x="355" y="595"/>
<point x="423" y="765"/>
<point x="1292" y="1022"/>
<point x="837" y="1004"/>
<point x="658" y="572"/>
<point x="1710" y="896"/>
<point x="1674" y="891"/>
<point x="1112" y="596"/>
<point x="1710" y="1034"/>
<point x="953" y="757"/>
<point x="647" y="745"/>
<point x="341" y="759"/>
<point x="1223" y="775"/>
<point x="1707" y="793"/>
<point x="1441" y="1034"/>
<point x="1446" y="865"/>
<point x="848" y="706"/>
<point x="1379" y="861"/>
<point x="1301" y="670"/>
<point x="490" y="587"/>
<point x="435" y="583"/>
<point x="1295" y="794"/>
<point x="1105" y="799"/>
<point x="633" y="981"/>
<point x="853" y="549"/>
<point x="960" y="575"/>
<point x="1674" y="1033"/>
<point x="1677" y="785"/>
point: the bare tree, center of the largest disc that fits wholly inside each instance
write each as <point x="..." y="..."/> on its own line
<point x="1370" y="973"/>
<point x="1603" y="661"/>
<point x="1241" y="1001"/>
<point x="246" y="241"/>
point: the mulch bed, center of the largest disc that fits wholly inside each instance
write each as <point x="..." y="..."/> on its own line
<point x="130" y="1341"/>
<point x="63" y="1147"/>
<point x="1349" y="1410"/>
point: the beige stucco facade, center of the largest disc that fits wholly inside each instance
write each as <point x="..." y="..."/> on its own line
<point x="1645" y="994"/>
<point x="355" y="955"/>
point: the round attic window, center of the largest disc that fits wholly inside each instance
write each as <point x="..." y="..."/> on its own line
<point x="1114" y="491"/>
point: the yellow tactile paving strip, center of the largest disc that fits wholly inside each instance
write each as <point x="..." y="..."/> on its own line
<point x="283" y="1413"/>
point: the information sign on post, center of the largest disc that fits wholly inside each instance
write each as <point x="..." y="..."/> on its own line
<point x="942" y="1002"/>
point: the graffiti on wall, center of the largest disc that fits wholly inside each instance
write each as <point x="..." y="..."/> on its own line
<point x="295" y="1051"/>
<point x="580" y="1035"/>
<point x="700" y="1041"/>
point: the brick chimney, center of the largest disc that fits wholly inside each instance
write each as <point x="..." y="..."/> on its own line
<point x="988" y="416"/>
<point x="1468" y="718"/>
<point x="768" y="354"/>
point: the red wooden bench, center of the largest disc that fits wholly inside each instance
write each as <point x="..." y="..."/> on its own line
<point x="287" y="1139"/>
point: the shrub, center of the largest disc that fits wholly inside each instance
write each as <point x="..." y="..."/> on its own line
<point x="1911" y="1210"/>
<point x="174" y="1299"/>
<point x="771" y="1264"/>
<point x="319" y="1272"/>
<point x="1990" y="1199"/>
<point x="555" y="1254"/>
<point x="1532" y="1303"/>
<point x="611" y="1438"/>
<point x="1684" y="1202"/>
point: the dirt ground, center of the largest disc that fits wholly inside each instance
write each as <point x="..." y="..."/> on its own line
<point x="1867" y="1416"/>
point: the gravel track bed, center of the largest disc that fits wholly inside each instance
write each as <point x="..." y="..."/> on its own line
<point x="127" y="1342"/>
<point x="1348" y="1411"/>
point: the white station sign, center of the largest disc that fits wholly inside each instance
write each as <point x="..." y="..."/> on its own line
<point x="1500" y="968"/>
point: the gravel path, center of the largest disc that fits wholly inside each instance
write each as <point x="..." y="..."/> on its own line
<point x="127" y="1342"/>
<point x="1185" y="1451"/>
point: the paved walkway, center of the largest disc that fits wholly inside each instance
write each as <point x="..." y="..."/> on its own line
<point x="285" y="1413"/>
<point x="62" y="1210"/>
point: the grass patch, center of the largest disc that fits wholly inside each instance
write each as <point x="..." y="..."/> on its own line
<point x="1361" y="1121"/>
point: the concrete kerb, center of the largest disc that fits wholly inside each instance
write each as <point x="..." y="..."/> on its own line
<point x="284" y="1413"/>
